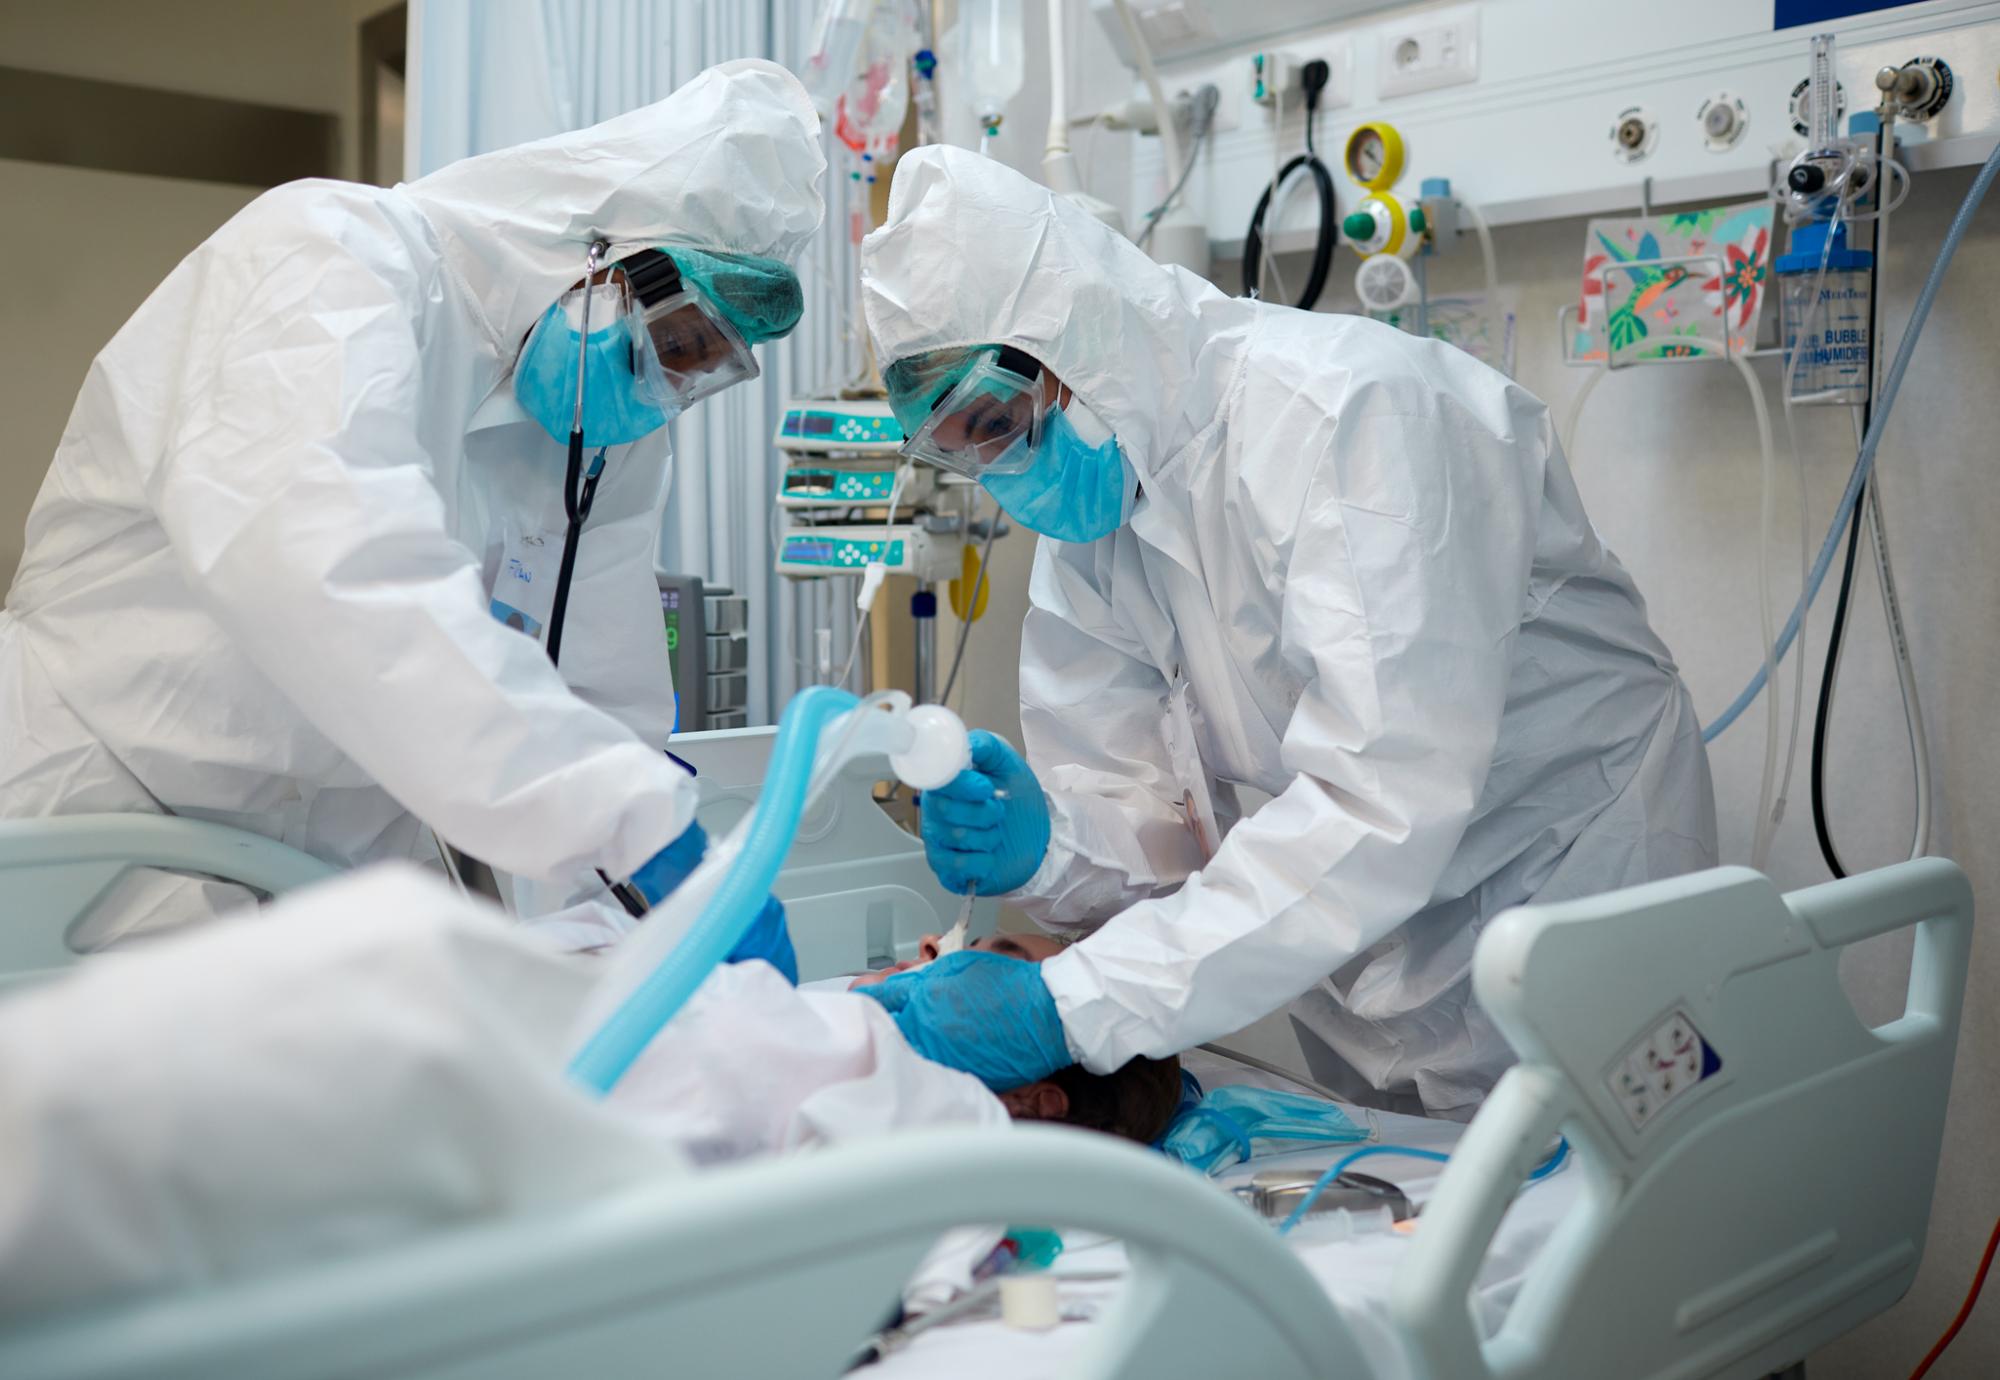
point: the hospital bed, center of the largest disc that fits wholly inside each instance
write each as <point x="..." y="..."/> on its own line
<point x="857" y="891"/>
<point x="55" y="871"/>
<point x="1751" y="1179"/>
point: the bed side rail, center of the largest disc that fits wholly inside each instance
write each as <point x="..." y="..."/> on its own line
<point x="54" y="870"/>
<point x="776" y="1269"/>
<point x="1758" y="1161"/>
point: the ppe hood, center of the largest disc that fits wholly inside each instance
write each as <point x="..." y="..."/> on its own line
<point x="731" y="161"/>
<point x="974" y="253"/>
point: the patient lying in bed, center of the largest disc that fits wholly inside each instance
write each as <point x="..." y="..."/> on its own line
<point x="378" y="1057"/>
<point x="1137" y="1102"/>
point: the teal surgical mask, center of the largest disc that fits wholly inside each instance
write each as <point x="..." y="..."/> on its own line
<point x="1077" y="485"/>
<point x="1233" y="1124"/>
<point x="616" y="409"/>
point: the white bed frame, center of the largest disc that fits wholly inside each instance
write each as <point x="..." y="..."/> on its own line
<point x="1780" y="1202"/>
<point x="53" y="872"/>
<point x="857" y="891"/>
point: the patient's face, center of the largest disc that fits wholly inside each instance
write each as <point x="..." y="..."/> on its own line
<point x="1031" y="948"/>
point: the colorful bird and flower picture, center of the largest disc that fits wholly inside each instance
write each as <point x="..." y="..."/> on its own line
<point x="1679" y="286"/>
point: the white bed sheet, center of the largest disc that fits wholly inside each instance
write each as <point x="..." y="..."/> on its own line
<point x="1355" y="1273"/>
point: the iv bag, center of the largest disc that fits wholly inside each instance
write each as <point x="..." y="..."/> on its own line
<point x="992" y="55"/>
<point x="835" y="42"/>
<point x="878" y="96"/>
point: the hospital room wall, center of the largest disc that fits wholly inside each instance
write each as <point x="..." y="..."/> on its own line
<point x="81" y="248"/>
<point x="1668" y="464"/>
<point x="80" y="216"/>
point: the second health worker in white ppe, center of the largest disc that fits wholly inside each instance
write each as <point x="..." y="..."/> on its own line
<point x="1305" y="554"/>
<point x="314" y="493"/>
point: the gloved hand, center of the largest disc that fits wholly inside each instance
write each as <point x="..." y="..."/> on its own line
<point x="662" y="874"/>
<point x="768" y="938"/>
<point x="987" y="1014"/>
<point x="972" y="837"/>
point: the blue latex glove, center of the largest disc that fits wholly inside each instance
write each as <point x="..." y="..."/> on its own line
<point x="768" y="938"/>
<point x="987" y="1014"/>
<point x="972" y="837"/>
<point x="663" y="873"/>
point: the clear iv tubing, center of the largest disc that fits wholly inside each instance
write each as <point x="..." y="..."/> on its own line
<point x="729" y="913"/>
<point x="1770" y="794"/>
<point x="1774" y="792"/>
<point x="1279" y="196"/>
<point x="972" y="604"/>
<point x="1548" y="1166"/>
<point x="903" y="472"/>
<point x="1872" y="441"/>
<point x="1491" y="306"/>
<point x="1892" y="612"/>
<point x="1767" y="503"/>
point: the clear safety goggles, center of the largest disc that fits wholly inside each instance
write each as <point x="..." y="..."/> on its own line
<point x="988" y="424"/>
<point x="683" y="346"/>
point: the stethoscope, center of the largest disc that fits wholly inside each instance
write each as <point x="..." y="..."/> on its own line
<point x="579" y="485"/>
<point x="579" y="492"/>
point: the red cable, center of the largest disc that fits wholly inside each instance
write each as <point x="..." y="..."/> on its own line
<point x="1965" y="1309"/>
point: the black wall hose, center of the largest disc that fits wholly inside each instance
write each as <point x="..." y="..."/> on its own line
<point x="1823" y="713"/>
<point x="1314" y="78"/>
<point x="1323" y="245"/>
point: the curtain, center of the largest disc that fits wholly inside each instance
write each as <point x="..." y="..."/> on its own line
<point x="484" y="74"/>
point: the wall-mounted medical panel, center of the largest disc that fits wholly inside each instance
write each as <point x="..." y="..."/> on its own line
<point x="1537" y="109"/>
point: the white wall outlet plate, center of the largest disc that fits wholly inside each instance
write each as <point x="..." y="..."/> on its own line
<point x="1429" y="50"/>
<point x="1338" y="56"/>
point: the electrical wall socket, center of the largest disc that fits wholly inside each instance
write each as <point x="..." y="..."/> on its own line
<point x="1433" y="49"/>
<point x="1275" y="72"/>
<point x="1338" y="56"/>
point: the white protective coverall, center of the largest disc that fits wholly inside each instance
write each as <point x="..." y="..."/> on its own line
<point x="377" y="1058"/>
<point x="1359" y="563"/>
<point x="257" y="577"/>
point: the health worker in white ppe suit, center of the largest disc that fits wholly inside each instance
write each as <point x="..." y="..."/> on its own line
<point x="1307" y="554"/>
<point x="313" y="495"/>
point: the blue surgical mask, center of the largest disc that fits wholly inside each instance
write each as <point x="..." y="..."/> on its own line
<point x="1078" y="487"/>
<point x="545" y="376"/>
<point x="1233" y="1124"/>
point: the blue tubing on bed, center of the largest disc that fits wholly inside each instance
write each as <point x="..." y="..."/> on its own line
<point x="614" y="1046"/>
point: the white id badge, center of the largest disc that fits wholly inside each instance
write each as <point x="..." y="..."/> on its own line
<point x="524" y="588"/>
<point x="1184" y="755"/>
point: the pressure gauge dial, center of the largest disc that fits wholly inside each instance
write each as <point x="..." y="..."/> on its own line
<point x="1374" y="156"/>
